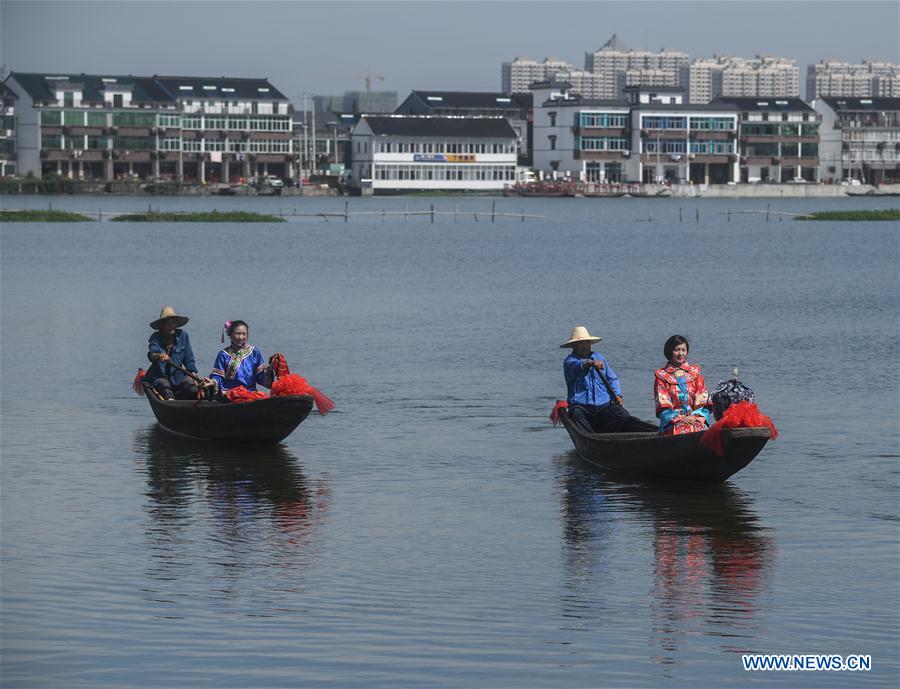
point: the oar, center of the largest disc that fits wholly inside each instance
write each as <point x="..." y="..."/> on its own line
<point x="613" y="397"/>
<point x="190" y="374"/>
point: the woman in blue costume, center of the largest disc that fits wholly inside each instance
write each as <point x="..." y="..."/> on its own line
<point x="239" y="364"/>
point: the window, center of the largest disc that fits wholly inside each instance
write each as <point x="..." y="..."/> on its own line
<point x="117" y="100"/>
<point x="73" y="118"/>
<point x="552" y="116"/>
<point x="68" y="99"/>
<point x="96" y="119"/>
<point x="552" y="140"/>
<point x="51" y="117"/>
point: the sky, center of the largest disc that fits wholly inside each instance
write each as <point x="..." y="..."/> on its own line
<point x="330" y="47"/>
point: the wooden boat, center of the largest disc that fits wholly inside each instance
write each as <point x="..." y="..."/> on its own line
<point x="647" y="454"/>
<point x="258" y="422"/>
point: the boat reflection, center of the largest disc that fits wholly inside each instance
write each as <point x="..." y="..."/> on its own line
<point x="252" y="500"/>
<point x="711" y="557"/>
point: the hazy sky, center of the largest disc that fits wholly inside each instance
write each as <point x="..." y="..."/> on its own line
<point x="328" y="47"/>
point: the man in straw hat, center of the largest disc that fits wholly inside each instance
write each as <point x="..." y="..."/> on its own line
<point x="167" y="346"/>
<point x="595" y="396"/>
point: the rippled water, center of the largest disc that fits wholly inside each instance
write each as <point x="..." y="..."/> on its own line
<point x="435" y="530"/>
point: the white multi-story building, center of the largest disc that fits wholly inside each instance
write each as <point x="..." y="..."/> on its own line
<point x="201" y="129"/>
<point x="401" y="153"/>
<point x="677" y="142"/>
<point x="736" y="77"/>
<point x="859" y="139"/>
<point x="8" y="99"/>
<point x="579" y="138"/>
<point x="518" y="76"/>
<point x="842" y="79"/>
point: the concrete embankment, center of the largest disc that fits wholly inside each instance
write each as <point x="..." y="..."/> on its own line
<point x="782" y="191"/>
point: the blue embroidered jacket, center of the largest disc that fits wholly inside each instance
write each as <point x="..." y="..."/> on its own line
<point x="246" y="367"/>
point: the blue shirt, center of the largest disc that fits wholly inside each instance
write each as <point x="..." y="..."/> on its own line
<point x="245" y="368"/>
<point x="585" y="385"/>
<point x="181" y="354"/>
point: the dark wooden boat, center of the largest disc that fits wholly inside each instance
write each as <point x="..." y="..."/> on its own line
<point x="649" y="455"/>
<point x="259" y="422"/>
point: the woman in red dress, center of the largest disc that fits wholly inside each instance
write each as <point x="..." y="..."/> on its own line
<point x="682" y="401"/>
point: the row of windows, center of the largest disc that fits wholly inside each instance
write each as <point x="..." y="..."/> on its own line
<point x="698" y="123"/>
<point x="446" y="172"/>
<point x="253" y="124"/>
<point x="134" y="143"/>
<point x="601" y="143"/>
<point x="667" y="146"/>
<point x="81" y="118"/>
<point x="601" y="119"/>
<point x="779" y="150"/>
<point x="442" y="147"/>
<point x="758" y="129"/>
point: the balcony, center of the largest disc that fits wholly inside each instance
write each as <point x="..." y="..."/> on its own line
<point x="602" y="131"/>
<point x="600" y="155"/>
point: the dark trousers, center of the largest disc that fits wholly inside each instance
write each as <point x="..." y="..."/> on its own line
<point x="185" y="390"/>
<point x="609" y="418"/>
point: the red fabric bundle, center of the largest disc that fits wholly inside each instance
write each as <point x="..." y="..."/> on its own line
<point x="554" y="415"/>
<point x="292" y="384"/>
<point x="279" y="366"/>
<point x="242" y="394"/>
<point x="739" y="415"/>
<point x="136" y="385"/>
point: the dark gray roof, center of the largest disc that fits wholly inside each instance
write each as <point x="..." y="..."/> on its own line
<point x="838" y="103"/>
<point x="686" y="107"/>
<point x="550" y="84"/>
<point x="6" y="91"/>
<point x="40" y="86"/>
<point x="468" y="127"/>
<point x="656" y="89"/>
<point x="576" y="101"/>
<point x="766" y="104"/>
<point x="470" y="100"/>
<point x="222" y="87"/>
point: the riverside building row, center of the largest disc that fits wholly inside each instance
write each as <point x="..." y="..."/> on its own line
<point x="652" y="136"/>
<point x="180" y="128"/>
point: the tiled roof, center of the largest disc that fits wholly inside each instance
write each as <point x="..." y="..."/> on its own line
<point x="459" y="100"/>
<point x="469" y="127"/>
<point x="221" y="87"/>
<point x="766" y="103"/>
<point x="41" y="86"/>
<point x="155" y="89"/>
<point x="837" y="103"/>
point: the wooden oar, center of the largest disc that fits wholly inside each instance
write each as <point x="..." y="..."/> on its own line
<point x="613" y="397"/>
<point x="190" y="374"/>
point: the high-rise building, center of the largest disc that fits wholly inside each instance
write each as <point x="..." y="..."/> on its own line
<point x="866" y="80"/>
<point x="617" y="66"/>
<point x="518" y="76"/>
<point x="738" y="77"/>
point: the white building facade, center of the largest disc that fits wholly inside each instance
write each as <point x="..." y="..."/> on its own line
<point x="396" y="154"/>
<point x="577" y="138"/>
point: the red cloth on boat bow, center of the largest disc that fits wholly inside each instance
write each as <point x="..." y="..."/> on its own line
<point x="292" y="384"/>
<point x="242" y="394"/>
<point x="739" y="415"/>
<point x="136" y="385"/>
<point x="554" y="415"/>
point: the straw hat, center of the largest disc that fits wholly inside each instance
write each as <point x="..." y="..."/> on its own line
<point x="580" y="334"/>
<point x="168" y="312"/>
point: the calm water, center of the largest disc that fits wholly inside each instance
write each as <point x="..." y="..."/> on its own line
<point x="436" y="530"/>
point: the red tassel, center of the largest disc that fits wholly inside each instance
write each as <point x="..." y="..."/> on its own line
<point x="554" y="415"/>
<point x="136" y="385"/>
<point x="292" y="384"/>
<point x="323" y="402"/>
<point x="739" y="415"/>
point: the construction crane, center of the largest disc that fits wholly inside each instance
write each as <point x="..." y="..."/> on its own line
<point x="369" y="77"/>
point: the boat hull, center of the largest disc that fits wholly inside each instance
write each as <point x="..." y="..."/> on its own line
<point x="259" y="422"/>
<point x="649" y="455"/>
